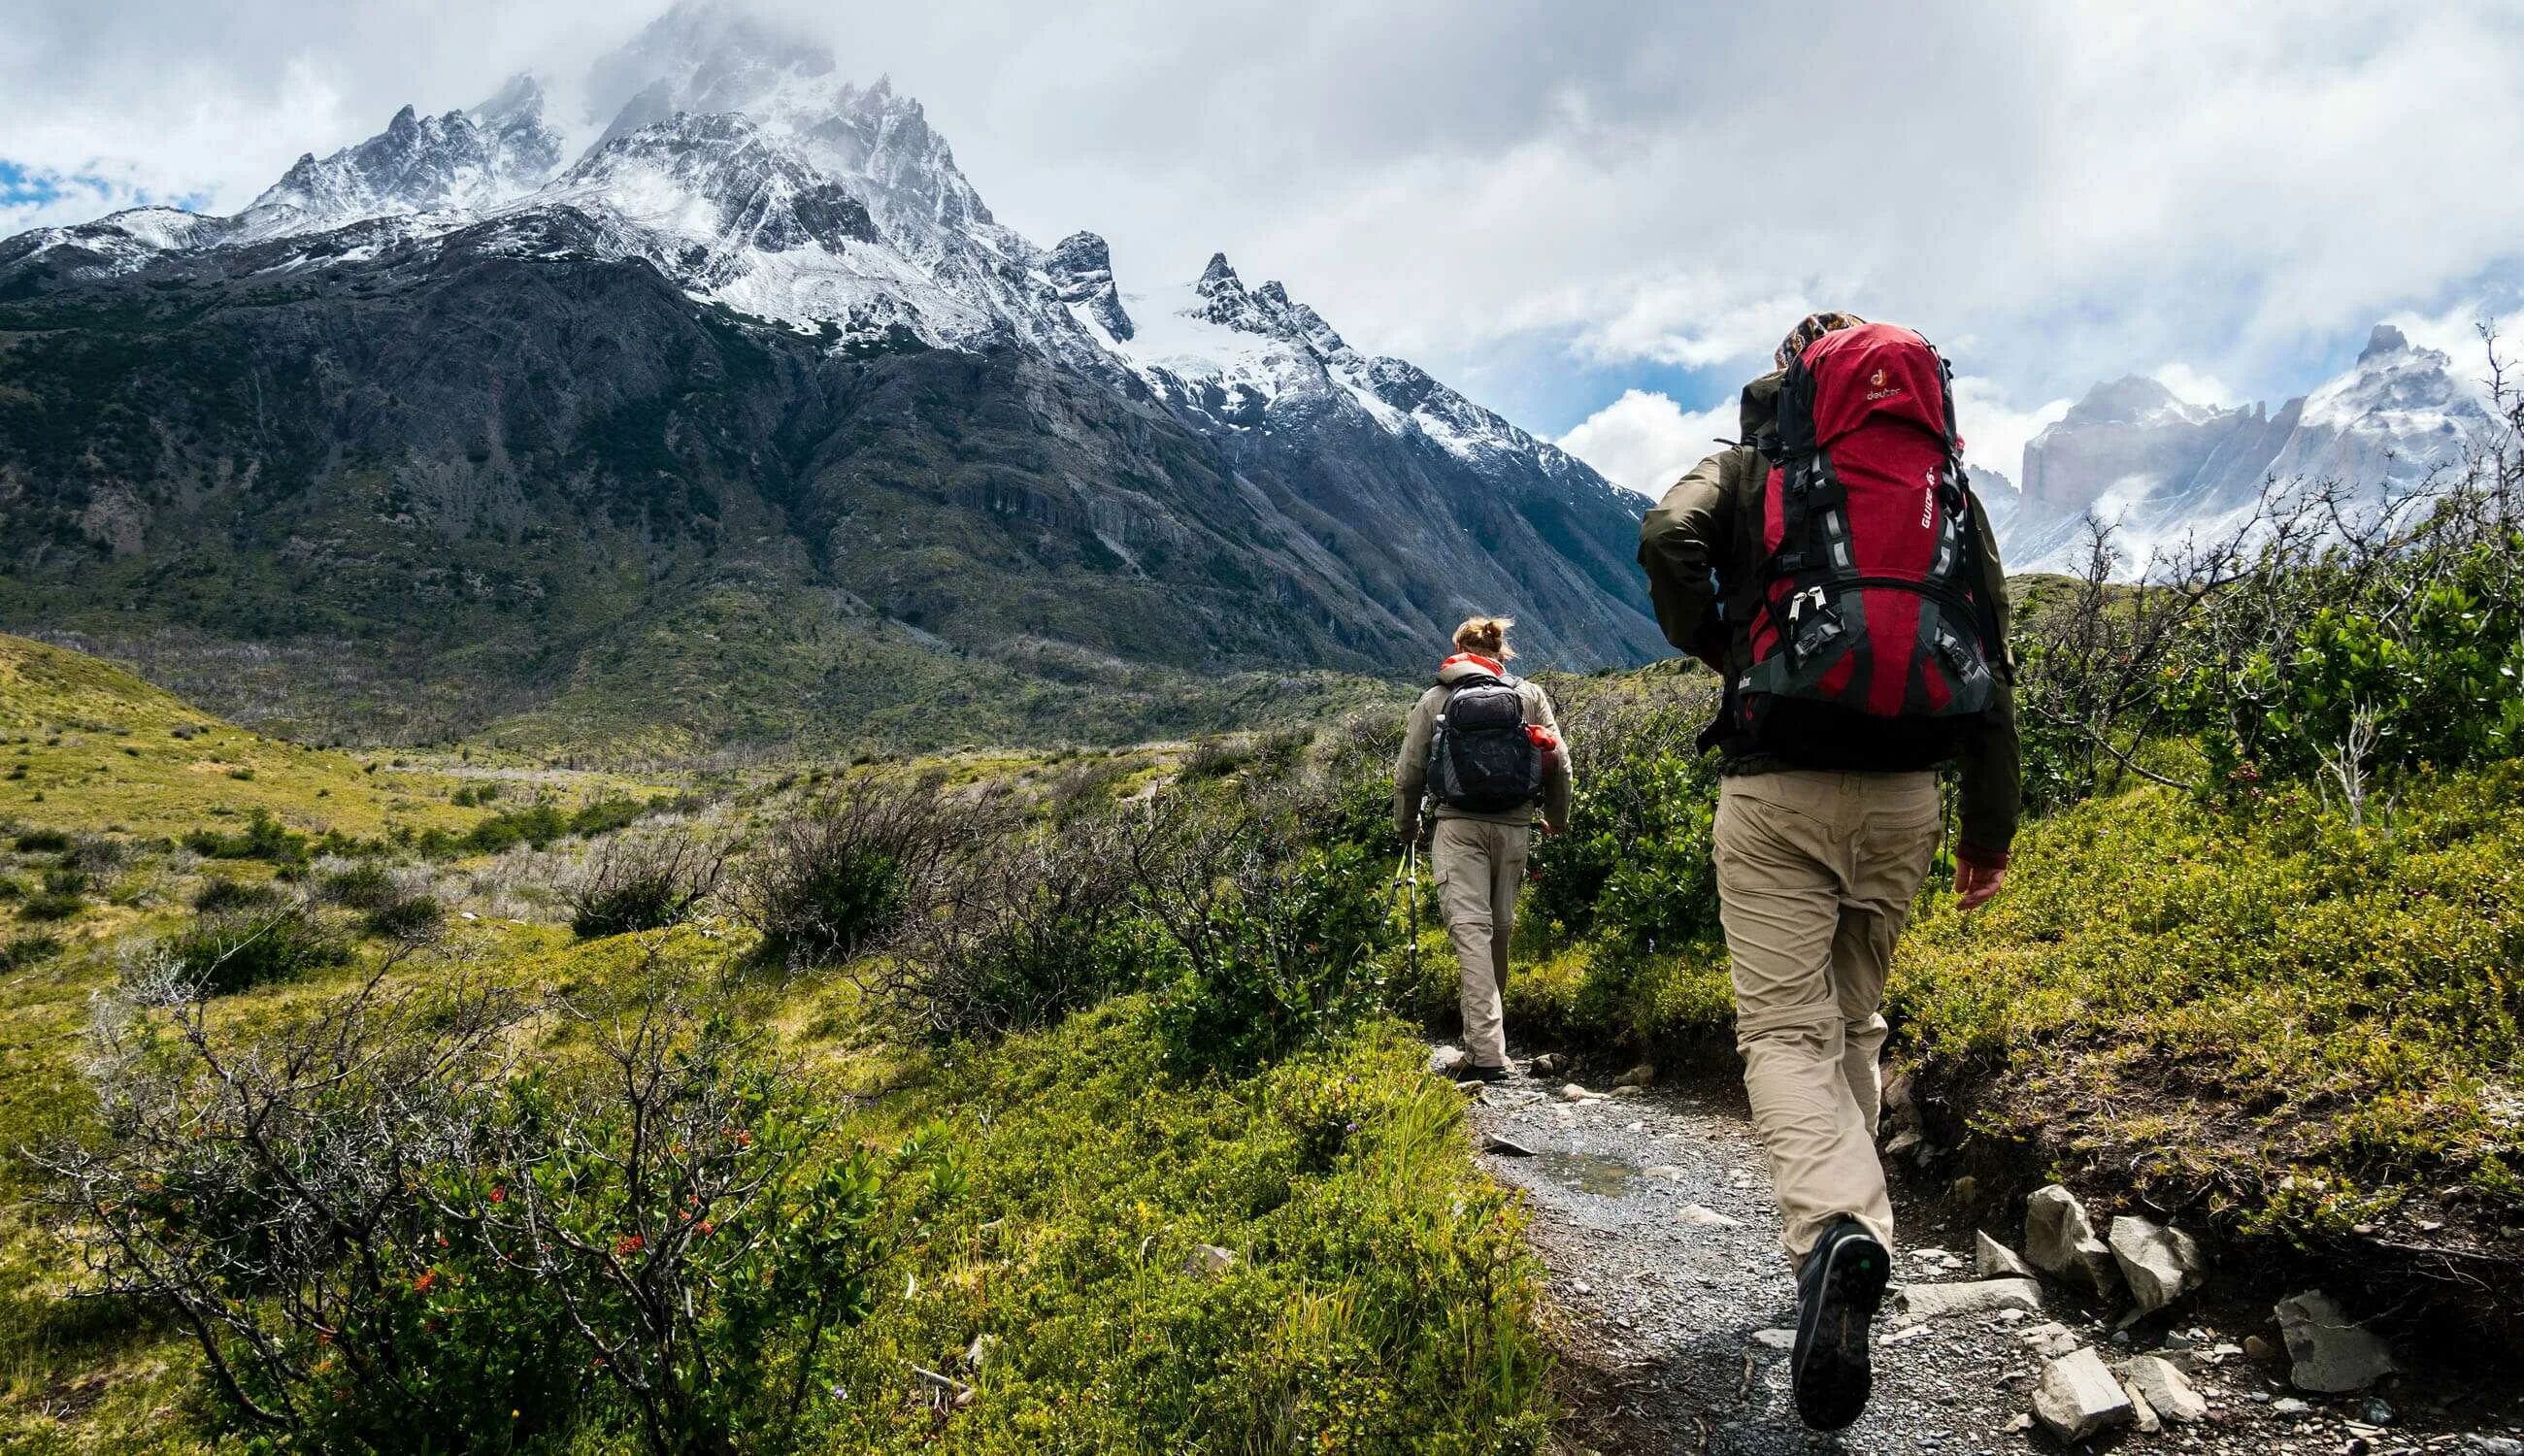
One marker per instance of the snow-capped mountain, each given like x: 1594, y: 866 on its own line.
x: 2160, y: 468
x: 762, y: 311
x: 474, y: 158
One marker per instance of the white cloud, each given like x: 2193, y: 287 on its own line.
x: 2075, y: 188
x: 1994, y: 430
x: 2191, y: 385
x: 1646, y: 441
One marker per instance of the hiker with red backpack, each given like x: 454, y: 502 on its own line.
x: 1837, y: 572
x: 1481, y: 758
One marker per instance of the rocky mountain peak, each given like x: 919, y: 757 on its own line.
x: 1081, y: 270
x: 501, y: 149
x: 2384, y: 340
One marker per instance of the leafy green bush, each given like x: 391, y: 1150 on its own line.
x: 265, y: 838
x: 26, y: 951
x: 1025, y: 932
x: 42, y: 841
x: 833, y: 879
x: 233, y: 950
x: 1262, y: 941
x: 1635, y: 862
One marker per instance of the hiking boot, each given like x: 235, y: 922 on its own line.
x: 1837, y: 1293
x: 1478, y: 1073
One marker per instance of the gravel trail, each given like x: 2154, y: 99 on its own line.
x: 1651, y: 1208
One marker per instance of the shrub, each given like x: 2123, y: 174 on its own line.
x: 1635, y: 862
x: 12, y: 888
x: 25, y: 951
x: 362, y: 886
x: 66, y: 881
x: 831, y: 881
x: 231, y: 952
x: 414, y: 917
x: 643, y: 884
x: 382, y: 1240
x: 51, y: 905
x: 218, y: 895
x: 1262, y: 936
x: 265, y: 838
x: 1026, y: 932
x: 42, y: 841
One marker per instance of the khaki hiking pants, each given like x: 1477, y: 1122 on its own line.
x: 1479, y: 867
x: 1816, y: 873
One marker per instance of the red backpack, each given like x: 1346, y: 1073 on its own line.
x: 1870, y: 646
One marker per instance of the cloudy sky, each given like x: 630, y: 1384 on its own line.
x: 1596, y: 215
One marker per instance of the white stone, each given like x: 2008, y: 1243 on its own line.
x: 1705, y: 1218
x: 1572, y: 1093
x: 2331, y: 1353
x: 2078, y: 1398
x: 2168, y: 1391
x: 2160, y: 1265
x: 1913, y: 1303
x: 1641, y: 1075
x: 1992, y: 1259
x: 1208, y: 1260
x: 2050, y: 1338
x: 2061, y: 1241
x: 1447, y: 1061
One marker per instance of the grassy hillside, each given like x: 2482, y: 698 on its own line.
x: 85, y: 746
x: 996, y: 1242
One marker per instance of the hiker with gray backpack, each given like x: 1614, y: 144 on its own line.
x: 1481, y: 759
x: 1836, y: 572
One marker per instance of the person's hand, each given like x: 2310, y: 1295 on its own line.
x: 1975, y: 883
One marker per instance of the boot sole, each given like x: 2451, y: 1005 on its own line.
x: 1834, y: 1372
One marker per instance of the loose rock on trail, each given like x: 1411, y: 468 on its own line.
x: 1676, y: 1310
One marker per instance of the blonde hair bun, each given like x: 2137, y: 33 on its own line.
x: 1486, y: 636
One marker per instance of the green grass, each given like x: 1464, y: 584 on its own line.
x: 100, y: 749
x: 2318, y: 1023
x: 1379, y: 1297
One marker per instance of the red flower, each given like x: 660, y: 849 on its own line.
x: 629, y: 1244
x: 499, y: 1194
x: 427, y: 1277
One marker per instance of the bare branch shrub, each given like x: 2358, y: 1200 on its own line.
x: 1023, y: 932
x: 854, y: 866
x: 644, y: 882
x: 415, y: 1218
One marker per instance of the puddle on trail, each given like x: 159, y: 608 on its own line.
x: 1600, y: 1174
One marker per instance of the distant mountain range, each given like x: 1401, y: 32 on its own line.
x: 2160, y: 468
x: 745, y: 422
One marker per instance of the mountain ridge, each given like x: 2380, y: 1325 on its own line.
x: 499, y: 411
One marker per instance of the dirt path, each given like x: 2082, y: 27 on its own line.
x: 1674, y: 1324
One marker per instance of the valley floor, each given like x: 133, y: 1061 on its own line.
x: 1665, y: 1321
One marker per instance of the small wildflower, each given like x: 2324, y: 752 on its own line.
x: 427, y: 1277
x: 629, y: 1244
x: 499, y: 1193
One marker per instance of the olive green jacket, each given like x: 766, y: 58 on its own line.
x: 1702, y: 548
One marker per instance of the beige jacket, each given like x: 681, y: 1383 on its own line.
x: 1411, y: 766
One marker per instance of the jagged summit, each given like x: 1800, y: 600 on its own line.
x: 734, y: 166
x: 2159, y: 467
x: 472, y: 159
x: 2386, y: 339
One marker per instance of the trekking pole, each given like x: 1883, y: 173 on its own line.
x: 1411, y: 905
